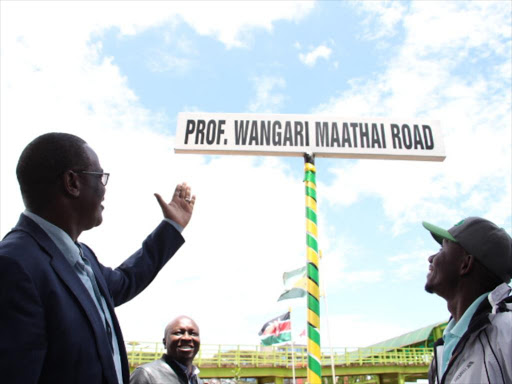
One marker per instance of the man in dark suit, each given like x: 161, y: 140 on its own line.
x: 182, y: 342
x: 57, y: 319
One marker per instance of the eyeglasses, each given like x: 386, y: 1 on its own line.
x: 104, y: 176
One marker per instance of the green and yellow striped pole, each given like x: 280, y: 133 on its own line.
x: 314, y: 354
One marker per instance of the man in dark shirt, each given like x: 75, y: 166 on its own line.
x: 182, y: 342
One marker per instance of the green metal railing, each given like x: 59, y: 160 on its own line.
x: 281, y: 356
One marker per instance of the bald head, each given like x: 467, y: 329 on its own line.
x: 174, y: 322
x: 181, y: 339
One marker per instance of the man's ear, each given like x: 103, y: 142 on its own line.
x: 71, y: 183
x: 163, y: 340
x: 467, y: 265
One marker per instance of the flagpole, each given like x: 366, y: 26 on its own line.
x: 314, y: 352
x: 293, y: 352
x: 329, y: 334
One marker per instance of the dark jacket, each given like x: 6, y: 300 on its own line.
x: 50, y: 329
x: 163, y: 371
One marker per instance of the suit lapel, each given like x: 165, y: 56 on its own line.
x: 70, y: 278
x: 102, y: 284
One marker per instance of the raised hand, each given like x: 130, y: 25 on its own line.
x: 180, y: 208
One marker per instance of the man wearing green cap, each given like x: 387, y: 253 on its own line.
x: 471, y: 272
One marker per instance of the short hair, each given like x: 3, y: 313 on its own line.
x: 42, y: 162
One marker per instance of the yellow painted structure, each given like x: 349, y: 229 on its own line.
x: 273, y: 364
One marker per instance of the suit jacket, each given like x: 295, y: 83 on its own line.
x: 50, y: 329
x: 163, y: 371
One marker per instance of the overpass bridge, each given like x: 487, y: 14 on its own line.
x: 394, y: 361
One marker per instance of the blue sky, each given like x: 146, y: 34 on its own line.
x: 117, y: 74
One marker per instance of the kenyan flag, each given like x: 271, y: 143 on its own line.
x: 277, y: 330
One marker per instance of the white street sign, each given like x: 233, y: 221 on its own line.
x: 323, y: 136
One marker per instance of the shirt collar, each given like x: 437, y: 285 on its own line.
x: 61, y: 239
x: 460, y: 327
x: 193, y: 369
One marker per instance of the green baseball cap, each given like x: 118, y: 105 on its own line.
x: 488, y: 243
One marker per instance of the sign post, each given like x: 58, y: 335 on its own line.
x: 313, y: 294
x: 310, y: 136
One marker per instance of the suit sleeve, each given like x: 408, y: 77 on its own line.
x: 22, y: 325
x: 134, y: 275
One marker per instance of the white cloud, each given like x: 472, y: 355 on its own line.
x: 320, y: 52
x: 350, y: 330
x: 233, y: 20
x: 229, y: 22
x: 480, y: 25
x: 364, y: 277
x: 381, y: 17
x: 411, y: 265
x: 212, y: 268
x: 424, y: 80
x: 267, y: 100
